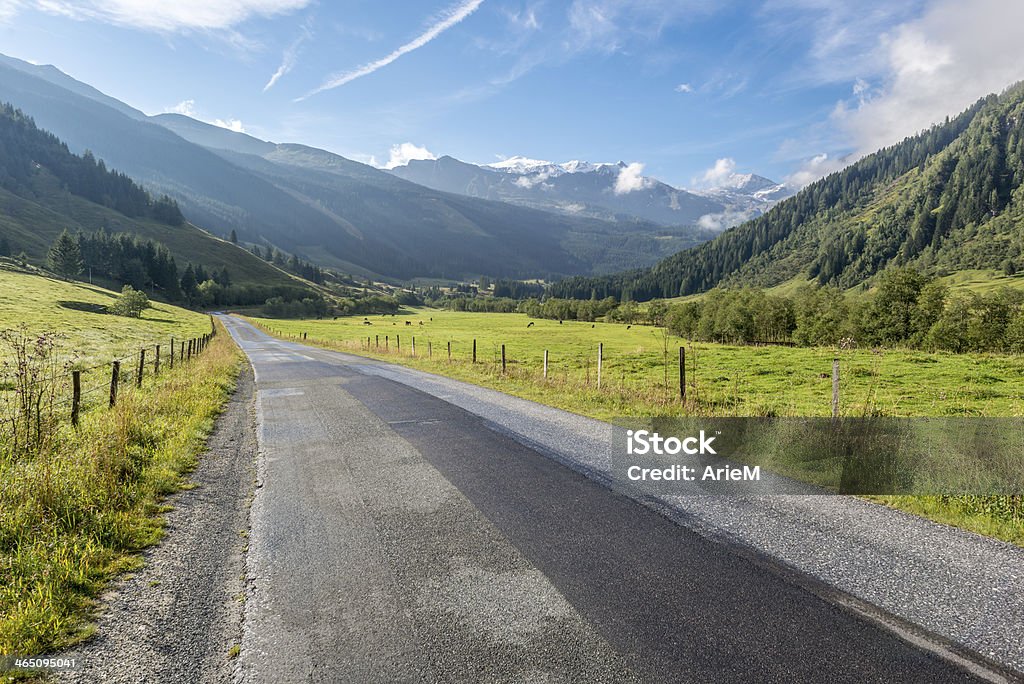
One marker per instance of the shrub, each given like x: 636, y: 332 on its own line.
x: 131, y: 303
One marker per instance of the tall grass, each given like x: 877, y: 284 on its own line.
x: 77, y: 509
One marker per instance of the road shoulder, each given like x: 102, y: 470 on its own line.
x: 178, y: 617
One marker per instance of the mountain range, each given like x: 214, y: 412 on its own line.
x: 950, y: 198
x: 610, y: 191
x: 333, y: 211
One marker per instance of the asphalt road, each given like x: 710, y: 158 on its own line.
x: 398, y: 536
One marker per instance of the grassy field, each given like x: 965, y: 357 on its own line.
x: 75, y: 510
x: 640, y: 377
x: 75, y: 311
x: 722, y: 380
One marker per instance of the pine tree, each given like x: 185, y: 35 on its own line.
x: 65, y: 257
x: 188, y: 282
x: 234, y: 236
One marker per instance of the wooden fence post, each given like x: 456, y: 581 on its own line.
x: 172, y: 353
x: 142, y: 366
x: 474, y: 350
x: 682, y: 373
x: 156, y: 361
x: 181, y: 354
x: 600, y: 362
x: 114, y: 376
x: 502, y: 359
x: 386, y: 342
x: 449, y: 350
x: 414, y: 345
x: 545, y: 364
x: 835, y: 388
x: 430, y: 350
x: 76, y: 395
x: 190, y: 345
x: 398, y: 342
x: 376, y: 340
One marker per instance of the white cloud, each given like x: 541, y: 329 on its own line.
x: 448, y: 19
x: 684, y: 88
x: 404, y: 153
x: 231, y: 124
x: 8, y: 9
x: 185, y: 107
x: 726, y: 219
x: 188, y: 108
x: 631, y: 179
x: 161, y: 15
x: 719, y: 174
x: 818, y: 166
x: 936, y: 66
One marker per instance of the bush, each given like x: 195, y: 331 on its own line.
x: 131, y: 303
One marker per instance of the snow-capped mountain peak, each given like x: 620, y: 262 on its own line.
x: 523, y: 165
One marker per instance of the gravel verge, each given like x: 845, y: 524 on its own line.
x: 179, y: 616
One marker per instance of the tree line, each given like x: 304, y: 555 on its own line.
x: 908, y: 309
x: 145, y: 265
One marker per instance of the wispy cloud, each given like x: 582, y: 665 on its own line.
x: 180, y: 15
x: 290, y: 56
x: 684, y: 88
x: 448, y: 19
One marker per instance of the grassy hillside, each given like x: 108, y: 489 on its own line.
x: 77, y: 505
x: 76, y: 312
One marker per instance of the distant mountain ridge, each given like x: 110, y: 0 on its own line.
x: 605, y: 190
x: 323, y: 207
x: 947, y: 199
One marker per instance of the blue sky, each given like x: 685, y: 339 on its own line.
x: 692, y: 89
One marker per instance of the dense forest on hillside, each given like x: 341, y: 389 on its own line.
x: 946, y: 199
x: 24, y: 148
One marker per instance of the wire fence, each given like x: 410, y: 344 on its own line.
x: 68, y: 390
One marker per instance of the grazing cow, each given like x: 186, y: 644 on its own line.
x: 421, y: 322
x: 408, y: 322
x: 593, y: 325
x: 628, y: 327
x: 530, y: 324
x: 559, y: 322
x: 367, y: 323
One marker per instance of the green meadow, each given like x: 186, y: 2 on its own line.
x: 640, y: 368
